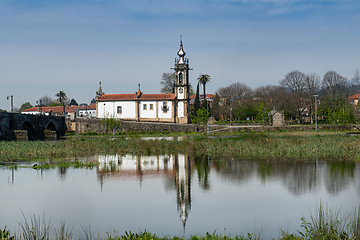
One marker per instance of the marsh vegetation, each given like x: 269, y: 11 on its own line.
x: 324, y: 223
x: 280, y: 146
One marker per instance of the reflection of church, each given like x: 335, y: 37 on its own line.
x: 177, y: 167
x: 183, y: 187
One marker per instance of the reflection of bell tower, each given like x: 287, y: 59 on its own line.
x: 182, y: 86
x: 183, y: 190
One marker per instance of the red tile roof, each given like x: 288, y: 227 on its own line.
x: 91, y: 106
x: 201, y: 96
x: 109, y: 97
x: 53, y: 109
x: 356, y: 96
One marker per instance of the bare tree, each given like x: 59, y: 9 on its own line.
x: 233, y: 97
x: 335, y: 88
x: 294, y: 82
x: 356, y: 80
x: 236, y: 92
x: 45, y: 101
x: 276, y: 97
x: 168, y: 83
x: 312, y: 87
x: 269, y: 95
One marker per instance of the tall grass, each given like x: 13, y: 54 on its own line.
x: 249, y: 146
x: 325, y: 223
x: 36, y: 228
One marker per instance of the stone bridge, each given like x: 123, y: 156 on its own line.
x: 34, y: 127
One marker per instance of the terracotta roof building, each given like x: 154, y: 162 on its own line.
x: 54, y: 110
x: 138, y: 106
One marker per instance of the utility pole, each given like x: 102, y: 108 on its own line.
x: 12, y: 103
x: 315, y: 113
x: 207, y: 109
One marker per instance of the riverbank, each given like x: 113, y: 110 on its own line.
x: 282, y: 145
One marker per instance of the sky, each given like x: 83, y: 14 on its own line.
x: 71, y: 45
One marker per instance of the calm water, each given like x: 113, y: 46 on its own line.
x: 177, y: 195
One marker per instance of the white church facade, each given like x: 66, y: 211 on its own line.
x: 141, y: 107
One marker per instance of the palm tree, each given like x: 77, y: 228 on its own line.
x: 61, y: 96
x: 204, y: 79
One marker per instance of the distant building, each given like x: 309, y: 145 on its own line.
x: 354, y: 99
x: 209, y: 97
x: 277, y: 118
x: 53, y: 111
x: 88, y: 111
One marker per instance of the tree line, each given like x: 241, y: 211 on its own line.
x: 294, y: 96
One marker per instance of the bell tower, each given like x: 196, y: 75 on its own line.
x: 182, y: 86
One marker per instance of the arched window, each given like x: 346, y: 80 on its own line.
x: 180, y: 78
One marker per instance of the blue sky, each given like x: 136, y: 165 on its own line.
x: 70, y: 45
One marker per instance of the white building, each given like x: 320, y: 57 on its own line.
x: 172, y: 107
x: 88, y: 111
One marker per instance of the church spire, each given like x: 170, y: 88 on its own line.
x: 181, y: 53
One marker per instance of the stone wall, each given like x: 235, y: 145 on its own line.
x: 285, y: 128
x: 92, y: 125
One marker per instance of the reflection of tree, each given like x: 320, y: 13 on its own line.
x: 299, y: 178
x: 338, y: 175
x: 203, y: 171
x: 264, y: 171
x: 62, y: 172
x: 237, y: 171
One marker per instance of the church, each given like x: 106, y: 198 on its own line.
x: 142, y: 107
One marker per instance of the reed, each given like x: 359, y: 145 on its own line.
x: 325, y: 223
x: 244, y: 146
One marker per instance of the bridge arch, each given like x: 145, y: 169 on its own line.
x: 51, y: 126
x: 30, y: 130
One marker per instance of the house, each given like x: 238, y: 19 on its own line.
x: 53, y: 111
x: 144, y: 107
x: 354, y: 99
x: 87, y: 111
x: 209, y: 97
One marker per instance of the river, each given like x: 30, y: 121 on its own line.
x: 178, y: 195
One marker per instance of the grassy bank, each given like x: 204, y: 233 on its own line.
x: 280, y: 146
x: 325, y: 223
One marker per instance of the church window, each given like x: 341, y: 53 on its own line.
x: 119, y: 110
x: 165, y: 107
x: 151, y: 107
x: 180, y: 78
x: 144, y: 106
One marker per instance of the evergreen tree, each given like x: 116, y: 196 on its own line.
x: 73, y: 102
x: 25, y: 106
x: 215, y: 109
x: 204, y: 104
x: 196, y: 106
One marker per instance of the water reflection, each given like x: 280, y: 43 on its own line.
x: 176, y: 167
x: 298, y: 178
x: 234, y: 191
